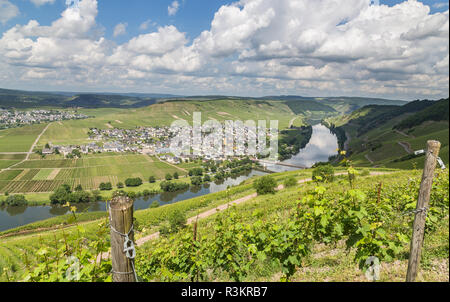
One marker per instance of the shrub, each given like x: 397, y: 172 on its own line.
x: 177, y: 220
x: 133, y: 182
x: 323, y: 173
x: 16, y: 200
x: 265, y: 185
x: 105, y: 186
x: 79, y: 188
x: 155, y: 204
x: 175, y: 175
x: 196, y: 180
x: 168, y: 186
x: 152, y: 179
x: 168, y: 176
x: 196, y: 172
x: 290, y: 182
x: 207, y: 178
x: 120, y: 185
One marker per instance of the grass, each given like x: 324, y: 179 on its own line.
x: 7, y: 163
x: 19, y: 139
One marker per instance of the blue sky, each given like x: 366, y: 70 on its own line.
x: 192, y: 17
x: 256, y: 47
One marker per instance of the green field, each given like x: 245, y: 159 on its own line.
x: 7, y: 163
x: 163, y: 114
x: 19, y: 139
x: 34, y: 176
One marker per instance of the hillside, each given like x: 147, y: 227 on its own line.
x: 262, y: 224
x: 387, y: 136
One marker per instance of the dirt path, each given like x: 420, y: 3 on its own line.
x: 368, y: 158
x: 30, y: 151
x: 403, y: 133
x: 175, y: 166
x: 291, y: 122
x: 221, y: 208
x: 407, y: 147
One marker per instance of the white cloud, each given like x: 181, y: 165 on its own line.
x: 254, y: 47
x: 173, y: 8
x: 42, y: 2
x: 7, y: 11
x: 440, y: 5
x: 147, y: 24
x: 120, y: 29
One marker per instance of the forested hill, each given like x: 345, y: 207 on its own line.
x: 389, y: 135
x: 438, y: 111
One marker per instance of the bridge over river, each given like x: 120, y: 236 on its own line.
x: 279, y: 163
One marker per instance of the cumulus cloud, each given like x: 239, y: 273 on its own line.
x: 252, y: 47
x: 173, y: 8
x: 120, y: 29
x: 42, y: 2
x: 7, y: 11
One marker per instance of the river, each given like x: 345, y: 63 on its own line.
x: 12, y: 217
x: 323, y: 144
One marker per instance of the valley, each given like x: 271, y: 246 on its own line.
x: 87, y: 156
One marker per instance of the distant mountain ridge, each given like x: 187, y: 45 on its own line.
x: 34, y: 99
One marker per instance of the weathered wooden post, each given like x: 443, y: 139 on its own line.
x: 122, y: 239
x: 432, y: 154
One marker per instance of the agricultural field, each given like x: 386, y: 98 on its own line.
x: 34, y: 176
x: 4, y: 163
x: 19, y: 139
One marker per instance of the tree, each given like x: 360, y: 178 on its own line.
x: 16, y: 200
x: 120, y: 185
x: 168, y: 176
x: 265, y: 185
x: 105, y: 186
x: 133, y: 182
x: 175, y: 175
x: 79, y: 188
x: 47, y: 146
x: 207, y: 178
x: 76, y: 152
x: 196, y: 180
x: 152, y: 179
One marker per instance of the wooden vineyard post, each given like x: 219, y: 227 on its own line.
x: 122, y: 239
x: 432, y: 154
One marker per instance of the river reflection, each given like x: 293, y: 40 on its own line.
x: 321, y: 146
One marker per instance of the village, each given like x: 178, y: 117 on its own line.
x: 154, y: 141
x: 13, y: 118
